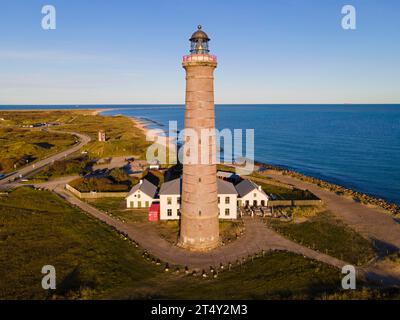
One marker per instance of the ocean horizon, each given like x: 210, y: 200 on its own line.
x: 353, y: 145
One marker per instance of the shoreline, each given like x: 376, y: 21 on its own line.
x: 357, y: 196
x: 363, y: 198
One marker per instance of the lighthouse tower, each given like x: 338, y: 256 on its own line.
x: 199, y: 204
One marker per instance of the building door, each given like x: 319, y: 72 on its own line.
x: 255, y: 203
x: 132, y: 204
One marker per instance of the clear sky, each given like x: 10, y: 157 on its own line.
x: 130, y: 51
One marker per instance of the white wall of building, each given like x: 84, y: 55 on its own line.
x: 169, y: 207
x: 254, y: 197
x: 227, y: 206
x: 138, y: 199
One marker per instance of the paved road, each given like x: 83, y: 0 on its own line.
x: 373, y: 223
x: 84, y: 139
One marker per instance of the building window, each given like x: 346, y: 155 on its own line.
x: 255, y: 195
x: 219, y: 200
x: 255, y: 203
x: 169, y: 200
x: 169, y: 212
x: 139, y: 204
x: 138, y: 195
x: 147, y: 204
x: 177, y: 212
x: 239, y: 203
x: 178, y: 200
x: 227, y: 200
x: 263, y: 203
x: 227, y: 212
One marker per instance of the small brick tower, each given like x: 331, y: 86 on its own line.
x: 102, y: 136
x: 199, y: 210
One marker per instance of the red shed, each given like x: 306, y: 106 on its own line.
x: 154, y: 212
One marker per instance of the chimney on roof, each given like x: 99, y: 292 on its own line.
x: 259, y: 188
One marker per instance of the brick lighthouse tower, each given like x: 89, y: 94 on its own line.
x: 199, y: 209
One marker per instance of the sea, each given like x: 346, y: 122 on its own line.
x: 356, y: 146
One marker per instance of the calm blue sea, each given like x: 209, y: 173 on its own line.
x: 357, y: 146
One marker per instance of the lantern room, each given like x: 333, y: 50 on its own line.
x: 199, y: 42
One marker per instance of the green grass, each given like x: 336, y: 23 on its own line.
x: 117, y: 207
x: 38, y: 228
x: 287, y: 194
x: 278, y: 275
x: 328, y: 235
x: 22, y: 146
x: 168, y: 230
x: 123, y: 138
x: 68, y: 167
x: 116, y: 181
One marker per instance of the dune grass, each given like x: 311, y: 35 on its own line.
x: 38, y: 228
x: 328, y: 235
x: 23, y: 146
x: 19, y: 145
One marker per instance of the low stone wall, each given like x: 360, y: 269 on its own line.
x: 307, y: 202
x: 290, y: 203
x: 95, y: 195
x: 269, y: 181
x: 280, y: 203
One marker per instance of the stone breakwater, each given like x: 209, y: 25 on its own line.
x: 340, y: 190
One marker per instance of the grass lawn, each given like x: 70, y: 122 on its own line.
x: 285, y: 193
x: 328, y: 235
x: 168, y: 230
x: 38, y: 228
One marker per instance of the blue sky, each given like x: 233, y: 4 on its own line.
x: 113, y: 52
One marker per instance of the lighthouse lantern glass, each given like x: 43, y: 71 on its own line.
x: 199, y: 46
